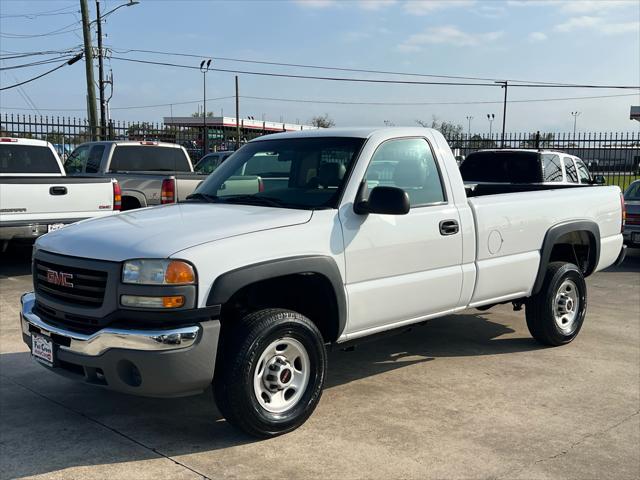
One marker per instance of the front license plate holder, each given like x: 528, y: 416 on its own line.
x: 43, y: 349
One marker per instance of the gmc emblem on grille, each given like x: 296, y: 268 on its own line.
x: 60, y: 278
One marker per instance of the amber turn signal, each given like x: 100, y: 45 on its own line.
x: 175, y: 301
x: 179, y: 273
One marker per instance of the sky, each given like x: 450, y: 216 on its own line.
x: 584, y: 42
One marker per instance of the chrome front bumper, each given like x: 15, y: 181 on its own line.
x: 170, y: 362
x: 107, y: 338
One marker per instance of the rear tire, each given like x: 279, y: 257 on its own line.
x: 271, y: 371
x: 556, y: 313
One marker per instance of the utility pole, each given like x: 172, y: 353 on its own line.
x: 237, y: 116
x: 575, y: 118
x: 504, y: 111
x: 469, y: 118
x: 204, y: 68
x: 88, y: 63
x: 103, y: 113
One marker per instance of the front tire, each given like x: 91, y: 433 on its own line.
x: 556, y: 313
x: 271, y: 371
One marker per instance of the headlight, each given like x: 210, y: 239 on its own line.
x: 158, y: 272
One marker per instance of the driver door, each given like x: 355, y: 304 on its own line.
x: 403, y: 268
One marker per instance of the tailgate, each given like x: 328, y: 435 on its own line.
x: 54, y: 198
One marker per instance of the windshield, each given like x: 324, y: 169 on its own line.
x: 303, y: 173
x: 633, y: 192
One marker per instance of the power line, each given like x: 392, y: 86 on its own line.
x: 344, y: 69
x: 57, y: 11
x: 69, y: 62
x: 371, y: 80
x: 34, y: 64
x: 59, y: 31
x: 17, y: 55
x: 340, y: 102
x: 306, y: 77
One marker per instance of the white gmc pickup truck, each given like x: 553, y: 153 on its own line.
x: 359, y: 231
x: 36, y: 197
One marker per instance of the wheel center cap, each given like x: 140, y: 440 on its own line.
x: 278, y: 374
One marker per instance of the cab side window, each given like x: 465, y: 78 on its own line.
x: 583, y: 172
x: 94, y: 159
x: 570, y: 169
x: 77, y: 160
x: 408, y: 164
x: 552, y: 168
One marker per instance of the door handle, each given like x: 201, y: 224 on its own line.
x: 449, y: 227
x: 58, y: 191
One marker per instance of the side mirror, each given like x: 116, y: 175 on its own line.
x: 599, y: 180
x: 384, y: 201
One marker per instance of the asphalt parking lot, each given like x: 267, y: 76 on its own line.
x: 466, y: 396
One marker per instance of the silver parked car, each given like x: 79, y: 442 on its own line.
x: 631, y: 232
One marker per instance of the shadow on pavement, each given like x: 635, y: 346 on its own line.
x: 631, y: 262
x: 46, y: 420
x: 16, y: 260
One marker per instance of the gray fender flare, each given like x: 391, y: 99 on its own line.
x: 137, y: 195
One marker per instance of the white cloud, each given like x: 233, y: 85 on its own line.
x: 446, y: 35
x: 375, y: 4
x: 577, y: 23
x: 316, y: 3
x: 591, y: 6
x: 537, y: 37
x: 372, y: 5
x: 597, y: 24
x: 489, y: 11
x: 424, y: 7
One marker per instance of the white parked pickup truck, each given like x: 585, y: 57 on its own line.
x: 36, y: 197
x: 371, y: 231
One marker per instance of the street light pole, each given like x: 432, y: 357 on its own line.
x: 469, y: 118
x: 204, y: 68
x: 575, y: 118
x: 491, y: 117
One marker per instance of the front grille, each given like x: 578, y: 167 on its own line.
x: 76, y: 286
x: 64, y: 320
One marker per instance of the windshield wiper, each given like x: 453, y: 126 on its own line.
x: 203, y: 196
x: 254, y: 200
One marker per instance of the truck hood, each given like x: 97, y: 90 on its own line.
x: 159, y: 232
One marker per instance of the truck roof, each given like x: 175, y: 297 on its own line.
x: 136, y: 142
x: 25, y: 141
x: 532, y: 150
x: 357, y: 132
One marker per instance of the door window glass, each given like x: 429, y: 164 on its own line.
x: 570, y: 169
x: 95, y: 156
x: 77, y: 160
x: 552, y: 168
x: 408, y: 164
x: 583, y: 171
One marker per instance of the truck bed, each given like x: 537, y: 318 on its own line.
x: 511, y: 228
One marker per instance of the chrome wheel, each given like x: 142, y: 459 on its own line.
x: 281, y: 375
x: 566, y: 307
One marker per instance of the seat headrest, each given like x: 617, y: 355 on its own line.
x: 410, y: 173
x: 331, y: 174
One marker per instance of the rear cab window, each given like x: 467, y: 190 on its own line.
x: 144, y: 158
x: 26, y: 159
